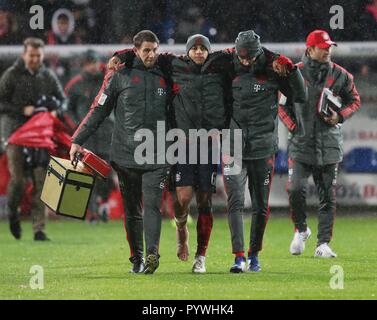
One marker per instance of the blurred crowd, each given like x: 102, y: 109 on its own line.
x: 83, y: 21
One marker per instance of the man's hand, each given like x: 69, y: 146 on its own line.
x: 230, y: 50
x: 282, y: 66
x: 28, y: 110
x: 333, y: 119
x: 74, y: 149
x: 114, y: 64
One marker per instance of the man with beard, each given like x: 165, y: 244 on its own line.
x: 255, y: 91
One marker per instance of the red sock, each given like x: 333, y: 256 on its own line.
x: 203, y: 228
x: 250, y: 252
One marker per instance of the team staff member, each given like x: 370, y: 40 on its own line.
x: 21, y: 87
x: 255, y: 91
x: 135, y: 108
x: 81, y: 91
x: 202, y: 100
x: 315, y: 141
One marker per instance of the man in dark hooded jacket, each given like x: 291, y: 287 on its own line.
x: 315, y: 139
x: 81, y: 91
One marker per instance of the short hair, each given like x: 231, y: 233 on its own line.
x: 307, y: 50
x: 33, y: 42
x: 145, y: 35
x: 63, y: 17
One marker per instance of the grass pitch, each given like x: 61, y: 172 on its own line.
x: 86, y: 261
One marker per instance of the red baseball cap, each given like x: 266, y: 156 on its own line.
x: 320, y: 39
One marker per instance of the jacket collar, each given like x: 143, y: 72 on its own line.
x: 20, y: 65
x: 195, y: 68
x: 258, y: 65
x: 201, y: 68
x: 315, y: 64
x: 316, y: 72
x: 138, y: 64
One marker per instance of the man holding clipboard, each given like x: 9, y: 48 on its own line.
x: 315, y: 139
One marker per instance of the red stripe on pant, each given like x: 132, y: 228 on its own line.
x: 204, y: 229
x: 288, y: 183
x: 334, y: 212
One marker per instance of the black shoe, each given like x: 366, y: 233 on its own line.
x: 15, y: 228
x: 152, y: 263
x: 137, y: 264
x: 40, y: 236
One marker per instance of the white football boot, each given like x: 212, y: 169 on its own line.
x: 324, y: 251
x: 298, y: 243
x: 199, y: 265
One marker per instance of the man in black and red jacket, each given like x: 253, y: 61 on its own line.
x: 255, y: 90
x: 81, y: 91
x: 315, y: 139
x: 135, y: 108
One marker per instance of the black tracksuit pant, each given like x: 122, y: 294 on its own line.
x: 325, y: 180
x: 259, y: 172
x: 142, y: 189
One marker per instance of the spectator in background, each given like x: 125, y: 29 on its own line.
x: 127, y: 39
x: 63, y: 28
x: 366, y: 79
x: 372, y: 9
x: 193, y: 22
x: 85, y: 20
x: 369, y: 22
x: 153, y: 17
x: 49, y: 8
x: 81, y: 91
x: 9, y: 33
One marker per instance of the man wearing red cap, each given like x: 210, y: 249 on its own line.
x: 315, y: 139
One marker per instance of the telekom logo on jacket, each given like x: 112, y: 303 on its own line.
x: 161, y: 91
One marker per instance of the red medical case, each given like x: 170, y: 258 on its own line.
x: 95, y: 163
